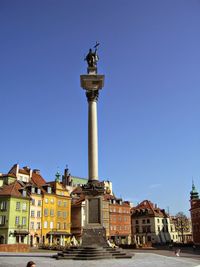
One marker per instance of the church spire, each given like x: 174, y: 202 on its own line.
x: 194, y: 194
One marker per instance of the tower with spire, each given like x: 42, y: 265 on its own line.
x: 194, y: 194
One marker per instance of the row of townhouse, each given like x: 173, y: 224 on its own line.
x: 33, y: 211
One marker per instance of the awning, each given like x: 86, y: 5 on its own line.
x: 21, y: 232
x: 58, y: 233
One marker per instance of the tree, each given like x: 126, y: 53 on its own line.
x: 181, y: 224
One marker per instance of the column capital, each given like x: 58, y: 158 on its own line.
x: 92, y: 95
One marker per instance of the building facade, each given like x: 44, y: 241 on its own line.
x: 56, y: 214
x: 14, y: 214
x: 195, y: 215
x: 119, y: 220
x: 150, y: 224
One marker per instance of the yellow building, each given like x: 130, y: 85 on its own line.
x: 56, y: 215
x: 35, y: 223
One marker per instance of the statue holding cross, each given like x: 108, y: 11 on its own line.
x: 92, y: 57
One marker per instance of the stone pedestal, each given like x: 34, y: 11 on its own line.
x: 94, y: 234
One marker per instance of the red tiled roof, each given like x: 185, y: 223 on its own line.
x: 11, y: 190
x: 38, y: 179
x: 148, y: 206
x: 23, y: 171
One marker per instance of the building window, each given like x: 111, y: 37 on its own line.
x: 33, y: 190
x: 3, y: 205
x: 143, y: 221
x: 158, y: 220
x: 148, y: 229
x: 49, y: 189
x: 32, y: 213
x: 45, y: 224
x: 59, y: 203
x: 17, y: 220
x: 23, y: 220
x: 136, y: 222
x: 59, y: 213
x: 2, y: 220
x: 52, y: 200
x: 137, y: 230
x: 64, y: 214
x: 148, y: 221
x: 51, y: 212
x: 46, y: 200
x: 24, y: 206
x: 64, y: 226
x: 39, y: 191
x: 65, y: 204
x: 24, y: 193
x: 51, y: 225
x: 17, y: 205
x: 38, y: 214
x: 33, y: 201
x: 39, y: 202
x: 58, y: 225
x: 38, y: 225
x: 32, y: 225
x: 45, y: 212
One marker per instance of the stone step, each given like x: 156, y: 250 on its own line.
x: 92, y: 253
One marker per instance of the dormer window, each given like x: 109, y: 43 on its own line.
x: 33, y: 190
x: 39, y: 191
x: 24, y: 193
x: 49, y: 189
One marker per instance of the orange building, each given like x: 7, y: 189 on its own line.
x: 119, y: 220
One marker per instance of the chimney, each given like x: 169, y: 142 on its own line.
x: 17, y: 169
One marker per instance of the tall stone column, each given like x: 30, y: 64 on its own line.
x: 92, y: 97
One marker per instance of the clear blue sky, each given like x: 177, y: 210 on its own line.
x: 148, y: 111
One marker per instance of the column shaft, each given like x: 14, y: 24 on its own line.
x: 92, y: 141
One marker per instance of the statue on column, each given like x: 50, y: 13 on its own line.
x: 92, y: 57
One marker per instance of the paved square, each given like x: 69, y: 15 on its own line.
x: 139, y: 260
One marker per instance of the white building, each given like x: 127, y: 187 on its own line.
x: 150, y: 224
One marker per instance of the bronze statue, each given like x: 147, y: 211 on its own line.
x: 92, y: 57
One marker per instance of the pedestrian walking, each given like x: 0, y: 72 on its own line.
x: 177, y: 252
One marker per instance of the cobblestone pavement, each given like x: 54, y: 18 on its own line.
x: 138, y: 260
